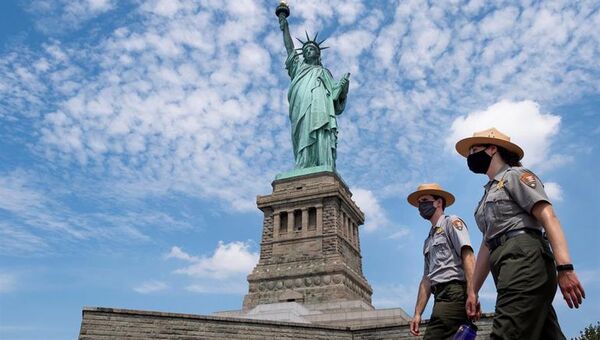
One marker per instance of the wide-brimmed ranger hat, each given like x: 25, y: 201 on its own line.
x: 430, y: 189
x: 489, y: 136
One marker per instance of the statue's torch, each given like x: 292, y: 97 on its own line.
x: 282, y: 9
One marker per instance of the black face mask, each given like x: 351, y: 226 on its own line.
x: 426, y: 209
x: 479, y: 162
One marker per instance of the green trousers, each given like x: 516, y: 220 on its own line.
x: 448, y: 312
x: 524, y: 272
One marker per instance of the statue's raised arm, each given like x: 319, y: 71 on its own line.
x: 282, y: 13
x: 315, y: 99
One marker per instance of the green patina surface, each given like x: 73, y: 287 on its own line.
x: 309, y: 171
x: 305, y: 171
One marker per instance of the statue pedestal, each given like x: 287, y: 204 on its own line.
x: 310, y: 248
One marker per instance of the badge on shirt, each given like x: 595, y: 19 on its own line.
x: 529, y: 180
x: 500, y: 184
x: 458, y: 224
x: 439, y: 230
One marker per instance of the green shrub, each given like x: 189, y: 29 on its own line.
x: 591, y: 332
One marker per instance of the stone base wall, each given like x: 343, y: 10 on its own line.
x: 109, y: 323
x: 310, y: 245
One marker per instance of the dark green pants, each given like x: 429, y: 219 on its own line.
x: 448, y: 312
x: 524, y: 272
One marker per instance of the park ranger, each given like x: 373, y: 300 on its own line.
x: 449, y: 264
x: 515, y: 216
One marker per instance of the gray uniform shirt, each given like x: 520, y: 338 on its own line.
x: 442, y: 250
x: 507, y: 202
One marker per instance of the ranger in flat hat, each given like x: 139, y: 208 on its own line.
x: 449, y: 264
x: 514, y: 216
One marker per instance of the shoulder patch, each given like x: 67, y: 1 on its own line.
x: 439, y: 230
x: 458, y: 224
x: 529, y: 179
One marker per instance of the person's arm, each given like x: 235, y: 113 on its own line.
x: 468, y: 261
x: 568, y: 282
x: 422, y: 298
x: 482, y: 269
x: 287, y: 38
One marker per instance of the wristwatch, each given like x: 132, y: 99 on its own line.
x: 564, y: 267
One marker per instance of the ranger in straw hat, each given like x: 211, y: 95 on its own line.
x: 449, y: 264
x: 514, y: 216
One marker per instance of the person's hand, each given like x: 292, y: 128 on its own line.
x: 473, y: 306
x: 282, y: 22
x: 571, y: 288
x: 414, y: 325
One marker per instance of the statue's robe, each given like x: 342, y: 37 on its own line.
x: 313, y: 111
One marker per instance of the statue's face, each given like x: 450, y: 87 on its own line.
x: 310, y: 53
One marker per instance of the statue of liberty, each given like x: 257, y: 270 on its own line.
x: 314, y: 100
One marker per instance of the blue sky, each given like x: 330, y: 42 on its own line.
x: 136, y: 136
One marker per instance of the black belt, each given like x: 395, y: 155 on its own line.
x: 439, y: 286
x: 501, y: 239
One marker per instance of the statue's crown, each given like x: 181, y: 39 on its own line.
x: 312, y: 41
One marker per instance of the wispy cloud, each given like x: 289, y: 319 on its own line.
x: 7, y: 282
x: 400, y: 234
x: 394, y: 295
x: 15, y: 194
x: 55, y: 17
x: 237, y: 288
x: 554, y: 191
x: 37, y: 218
x: 150, y: 287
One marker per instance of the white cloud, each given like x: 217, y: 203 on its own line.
x: 487, y: 293
x: 151, y: 287
x: 197, y: 105
x: 554, y: 191
x: 239, y: 287
x: 7, y: 282
x: 394, y: 295
x: 15, y: 240
x: 177, y: 253
x: 529, y: 128
x: 400, y: 234
x: 16, y: 195
x: 59, y: 16
x: 589, y: 276
x: 39, y: 217
x: 229, y: 259
x: 375, y: 216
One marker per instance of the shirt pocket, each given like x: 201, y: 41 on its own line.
x: 440, y: 248
x: 499, y: 207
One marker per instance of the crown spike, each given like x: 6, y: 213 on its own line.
x: 302, y: 42
x: 315, y: 38
x: 322, y: 41
x: 307, y: 37
x: 323, y: 48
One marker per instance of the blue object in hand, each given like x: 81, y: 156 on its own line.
x: 466, y: 332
